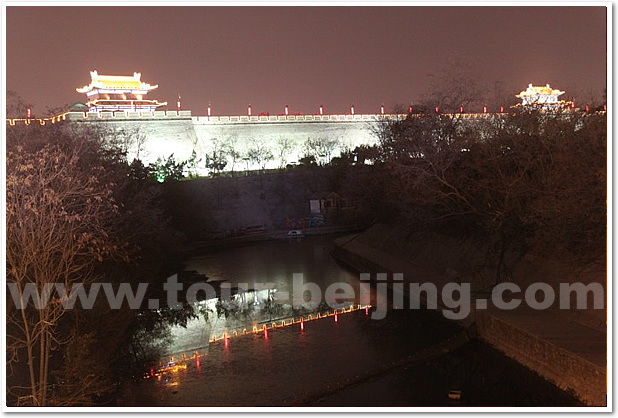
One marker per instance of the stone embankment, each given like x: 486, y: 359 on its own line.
x: 568, y: 350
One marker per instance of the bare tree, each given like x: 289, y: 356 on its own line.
x: 453, y: 86
x: 321, y: 148
x: 259, y: 154
x: 128, y: 139
x: 16, y: 107
x: 59, y: 221
x: 498, y: 96
x: 283, y: 149
x: 232, y: 150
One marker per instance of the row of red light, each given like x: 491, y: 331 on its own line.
x: 352, y: 109
x: 286, y: 109
x: 301, y: 321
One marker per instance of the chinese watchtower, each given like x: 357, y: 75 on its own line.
x: 118, y: 93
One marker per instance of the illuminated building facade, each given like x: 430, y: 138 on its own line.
x: 541, y: 97
x: 123, y: 93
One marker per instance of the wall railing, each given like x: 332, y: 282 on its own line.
x: 186, y: 115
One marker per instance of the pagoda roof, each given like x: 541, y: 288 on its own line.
x: 115, y: 82
x: 538, y: 90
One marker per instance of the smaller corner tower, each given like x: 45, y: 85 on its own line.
x: 542, y: 98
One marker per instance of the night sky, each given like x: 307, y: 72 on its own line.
x: 301, y: 56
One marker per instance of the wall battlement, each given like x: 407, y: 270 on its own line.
x: 186, y: 115
x: 153, y: 115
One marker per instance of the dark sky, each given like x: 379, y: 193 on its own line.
x: 301, y: 56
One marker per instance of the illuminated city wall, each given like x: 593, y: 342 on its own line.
x: 165, y: 133
x: 273, y: 135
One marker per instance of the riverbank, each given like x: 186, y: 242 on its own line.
x: 568, y: 349
x: 197, y: 247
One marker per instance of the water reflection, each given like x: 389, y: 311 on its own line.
x: 260, y: 279
x: 353, y: 361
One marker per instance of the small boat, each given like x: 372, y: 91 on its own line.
x: 454, y: 397
x: 295, y: 233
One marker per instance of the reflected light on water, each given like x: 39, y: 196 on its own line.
x: 320, y: 315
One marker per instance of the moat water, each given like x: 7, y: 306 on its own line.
x: 353, y: 361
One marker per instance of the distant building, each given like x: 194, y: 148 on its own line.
x: 541, y: 97
x: 323, y: 202
x: 124, y: 93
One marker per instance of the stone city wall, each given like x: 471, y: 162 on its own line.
x: 163, y: 133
